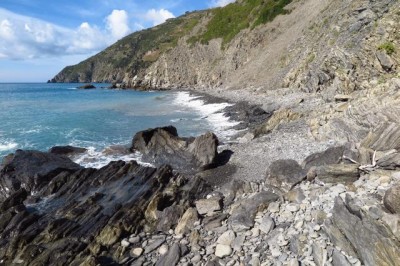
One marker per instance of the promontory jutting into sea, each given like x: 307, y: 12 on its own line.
x: 204, y: 133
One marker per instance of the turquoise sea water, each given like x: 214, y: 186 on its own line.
x: 39, y: 116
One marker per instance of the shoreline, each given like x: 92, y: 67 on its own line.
x: 280, y: 196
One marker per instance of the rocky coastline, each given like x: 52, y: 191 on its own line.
x: 337, y: 206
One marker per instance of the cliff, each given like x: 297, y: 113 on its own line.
x: 307, y: 44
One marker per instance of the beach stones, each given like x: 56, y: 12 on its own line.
x: 222, y: 251
x: 209, y: 206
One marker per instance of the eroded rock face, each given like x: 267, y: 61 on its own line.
x: 77, y: 212
x: 164, y: 146
x: 374, y: 244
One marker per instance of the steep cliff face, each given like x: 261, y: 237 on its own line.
x: 197, y: 49
x: 314, y: 45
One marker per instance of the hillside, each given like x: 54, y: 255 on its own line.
x: 129, y: 59
x: 257, y: 44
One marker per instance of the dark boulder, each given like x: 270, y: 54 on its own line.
x: 32, y: 170
x: 15, y: 199
x: 164, y: 146
x: 87, y: 87
x: 332, y: 155
x: 66, y: 150
x: 285, y: 174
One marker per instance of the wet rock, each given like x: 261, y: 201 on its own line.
x: 164, y: 146
x: 32, y: 170
x: 89, y: 210
x: 66, y: 150
x: 243, y: 213
x: 337, y: 173
x: 391, y: 199
x: 15, y: 199
x: 209, y: 206
x: 186, y: 223
x: 285, y: 174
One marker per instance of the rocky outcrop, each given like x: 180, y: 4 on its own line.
x: 373, y: 242
x: 83, y: 214
x: 66, y: 150
x: 164, y: 146
x: 32, y: 170
x: 87, y: 87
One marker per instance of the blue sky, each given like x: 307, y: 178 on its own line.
x: 39, y: 38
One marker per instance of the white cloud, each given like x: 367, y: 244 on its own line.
x: 158, y: 16
x: 23, y: 37
x: 117, y: 23
x: 221, y: 3
x: 6, y: 31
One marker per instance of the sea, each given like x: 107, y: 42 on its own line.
x: 38, y: 116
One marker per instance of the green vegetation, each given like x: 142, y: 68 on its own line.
x: 139, y: 50
x: 228, y: 21
x: 388, y: 47
x: 135, y: 51
x: 310, y: 58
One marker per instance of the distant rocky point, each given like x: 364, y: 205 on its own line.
x: 87, y: 87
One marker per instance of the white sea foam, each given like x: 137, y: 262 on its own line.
x: 213, y: 113
x: 97, y: 159
x: 8, y: 145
